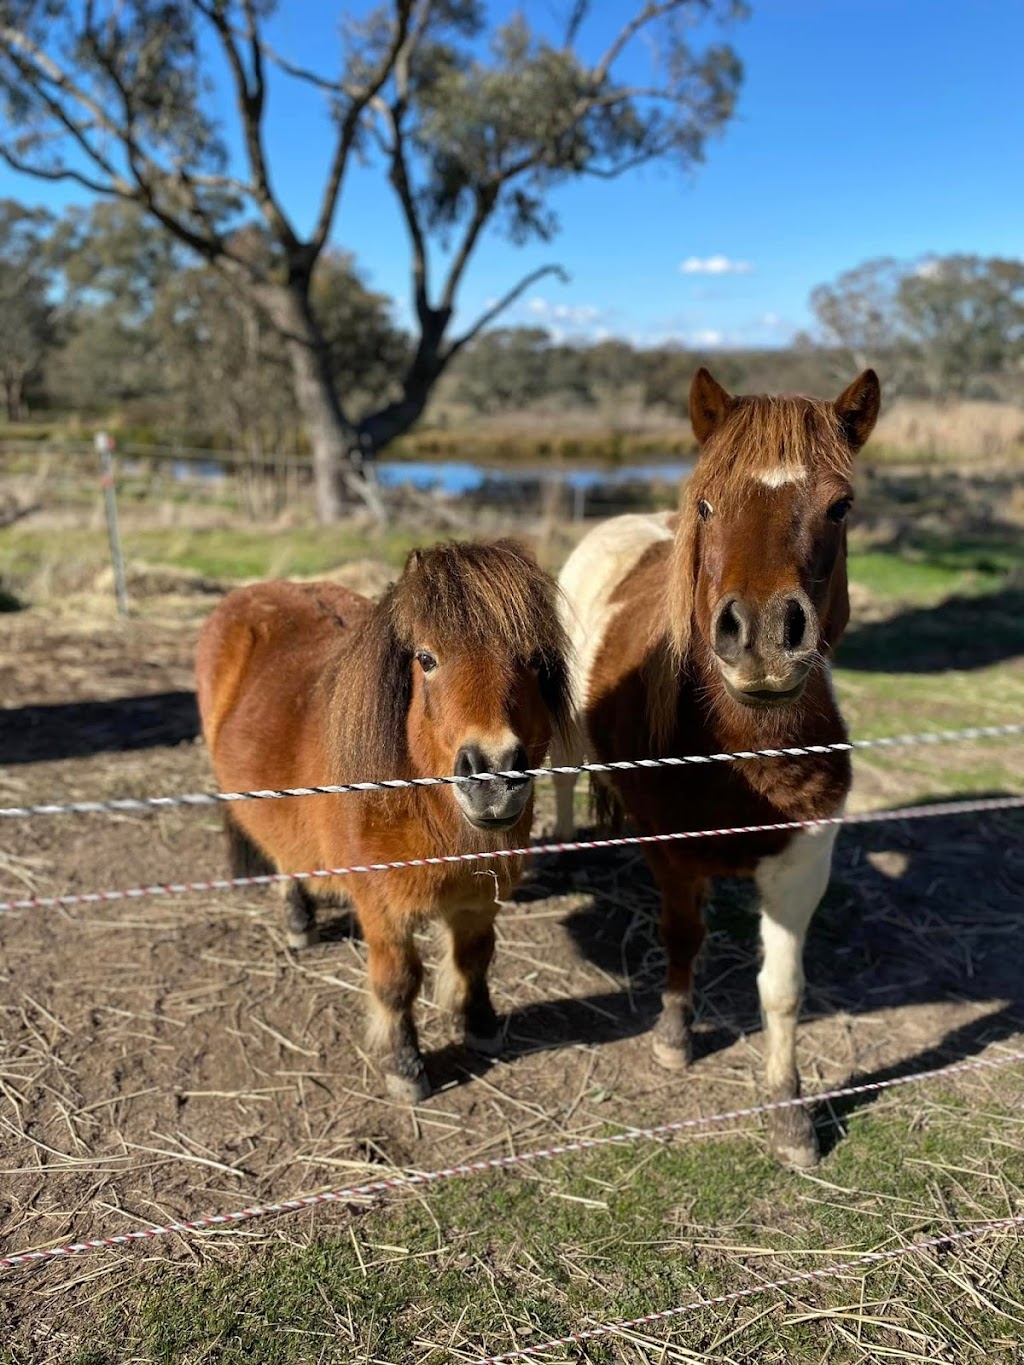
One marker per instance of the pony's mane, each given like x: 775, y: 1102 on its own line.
x: 765, y: 432
x: 761, y: 434
x: 492, y: 597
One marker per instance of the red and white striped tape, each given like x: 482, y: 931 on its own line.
x: 980, y: 805
x: 210, y: 1221
x: 148, y: 803
x: 867, y: 1261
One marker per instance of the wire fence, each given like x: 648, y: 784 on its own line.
x: 210, y: 1222
x: 213, y: 1222
x: 981, y: 805
x: 186, y: 799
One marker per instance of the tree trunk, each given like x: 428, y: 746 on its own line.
x: 13, y: 393
x: 335, y: 441
x: 427, y: 366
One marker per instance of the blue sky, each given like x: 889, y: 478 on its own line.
x: 864, y: 128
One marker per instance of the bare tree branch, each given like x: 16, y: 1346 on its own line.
x: 302, y: 73
x: 251, y: 96
x: 653, y: 10
x: 398, y: 174
x: 504, y: 302
x: 575, y: 21
x: 51, y: 72
x: 57, y: 173
x: 359, y: 102
x: 486, y: 202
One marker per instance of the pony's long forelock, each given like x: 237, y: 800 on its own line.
x: 492, y: 596
x: 762, y: 436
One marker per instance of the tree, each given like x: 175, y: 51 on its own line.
x: 858, y: 315
x: 113, y: 263
x: 112, y: 95
x: 965, y: 315
x: 507, y: 367
x: 937, y: 323
x: 27, y: 316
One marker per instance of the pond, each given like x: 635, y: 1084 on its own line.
x: 459, y: 477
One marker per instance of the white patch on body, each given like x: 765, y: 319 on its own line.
x: 781, y: 475
x: 588, y: 581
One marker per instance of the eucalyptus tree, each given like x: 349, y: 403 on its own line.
x: 473, y: 130
x: 28, y: 321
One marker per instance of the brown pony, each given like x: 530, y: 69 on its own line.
x: 709, y: 630
x: 459, y: 669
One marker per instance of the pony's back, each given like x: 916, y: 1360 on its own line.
x: 263, y: 644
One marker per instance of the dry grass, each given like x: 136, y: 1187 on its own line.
x: 974, y: 432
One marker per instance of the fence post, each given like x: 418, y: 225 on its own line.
x: 104, y: 447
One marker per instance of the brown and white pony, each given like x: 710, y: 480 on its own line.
x: 709, y: 630
x: 459, y: 669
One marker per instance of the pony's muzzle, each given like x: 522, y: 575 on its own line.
x: 497, y: 802
x: 765, y: 650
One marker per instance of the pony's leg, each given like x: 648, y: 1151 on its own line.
x: 300, y: 916
x: 462, y: 979
x: 791, y: 886
x: 567, y: 751
x: 682, y: 933
x: 395, y: 974
x: 565, y: 791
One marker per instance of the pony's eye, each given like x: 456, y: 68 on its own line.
x: 837, y: 512
x: 535, y: 662
x: 426, y: 660
x: 705, y: 509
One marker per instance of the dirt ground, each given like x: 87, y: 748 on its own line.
x: 167, y: 1057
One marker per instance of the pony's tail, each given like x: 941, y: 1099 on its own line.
x: 605, y: 807
x: 245, y: 858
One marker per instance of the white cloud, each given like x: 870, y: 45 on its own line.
x: 715, y: 265
x: 770, y: 320
x: 928, y: 270
x: 707, y: 336
x: 577, y: 315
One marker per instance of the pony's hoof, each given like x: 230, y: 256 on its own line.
x: 792, y: 1138
x: 302, y: 938
x: 673, y: 1056
x: 408, y: 1089
x: 487, y: 1044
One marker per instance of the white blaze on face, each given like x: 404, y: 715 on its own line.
x: 781, y: 475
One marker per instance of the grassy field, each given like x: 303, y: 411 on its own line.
x: 498, y: 1263
x: 504, y: 1261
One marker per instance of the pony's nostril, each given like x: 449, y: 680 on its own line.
x: 794, y: 628
x: 732, y: 632
x: 520, y: 759
x: 729, y: 623
x: 469, y: 761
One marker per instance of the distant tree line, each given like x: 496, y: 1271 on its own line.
x: 102, y: 313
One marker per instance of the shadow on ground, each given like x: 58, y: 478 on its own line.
x: 961, y: 633
x: 927, y: 913
x: 36, y: 734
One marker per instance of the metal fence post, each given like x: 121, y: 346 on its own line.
x: 104, y: 447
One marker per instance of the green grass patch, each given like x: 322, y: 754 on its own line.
x: 913, y: 576
x: 508, y: 1260
x: 74, y: 555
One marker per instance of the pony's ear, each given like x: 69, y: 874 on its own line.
x: 413, y: 560
x: 857, y: 408
x: 709, y: 404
